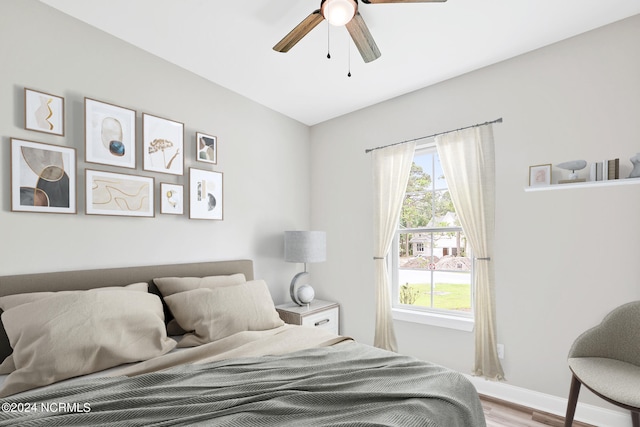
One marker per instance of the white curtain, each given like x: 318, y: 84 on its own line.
x: 391, y: 167
x: 467, y: 158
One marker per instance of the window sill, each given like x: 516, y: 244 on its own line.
x: 433, y: 319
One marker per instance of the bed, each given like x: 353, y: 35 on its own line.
x: 199, y: 344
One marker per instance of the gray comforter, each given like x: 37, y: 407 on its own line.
x: 348, y: 384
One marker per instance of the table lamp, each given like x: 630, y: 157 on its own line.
x: 304, y: 247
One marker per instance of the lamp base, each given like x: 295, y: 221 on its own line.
x: 300, y: 291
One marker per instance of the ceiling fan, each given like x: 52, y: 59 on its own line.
x: 338, y: 13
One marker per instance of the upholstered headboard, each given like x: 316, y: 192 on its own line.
x: 90, y: 279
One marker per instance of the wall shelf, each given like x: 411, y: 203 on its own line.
x: 590, y: 184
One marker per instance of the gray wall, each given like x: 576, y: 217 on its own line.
x: 563, y: 258
x: 263, y: 155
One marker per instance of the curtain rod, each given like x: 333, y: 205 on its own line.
x: 368, y: 150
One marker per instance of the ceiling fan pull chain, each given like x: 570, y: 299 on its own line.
x: 328, y: 40
x: 349, y: 56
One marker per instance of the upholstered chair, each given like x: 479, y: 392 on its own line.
x: 606, y: 360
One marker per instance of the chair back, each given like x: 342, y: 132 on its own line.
x: 616, y: 337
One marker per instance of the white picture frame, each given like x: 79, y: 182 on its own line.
x: 43, y: 112
x: 540, y: 175
x: 162, y: 145
x: 206, y: 195
x: 43, y: 177
x: 110, y: 134
x: 117, y: 194
x: 206, y: 148
x: 171, y: 198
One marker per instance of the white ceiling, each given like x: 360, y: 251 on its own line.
x: 230, y: 42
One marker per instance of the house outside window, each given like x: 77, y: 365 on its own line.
x: 431, y: 260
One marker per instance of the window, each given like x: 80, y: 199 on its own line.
x: 432, y: 263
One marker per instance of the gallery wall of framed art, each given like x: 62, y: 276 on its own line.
x: 44, y: 175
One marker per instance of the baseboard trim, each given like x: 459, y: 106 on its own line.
x: 585, y: 413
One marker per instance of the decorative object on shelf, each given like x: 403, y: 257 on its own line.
x: 119, y: 194
x: 539, y: 175
x: 205, y: 194
x: 171, y: 199
x: 304, y: 247
x: 109, y: 134
x: 635, y: 161
x: 573, y: 166
x: 43, y: 177
x: 162, y: 145
x: 43, y: 112
x: 206, y: 148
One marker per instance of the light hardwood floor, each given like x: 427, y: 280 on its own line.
x: 499, y: 413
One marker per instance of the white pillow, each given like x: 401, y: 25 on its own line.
x: 10, y: 301
x: 172, y: 285
x: 213, y: 314
x: 77, y: 333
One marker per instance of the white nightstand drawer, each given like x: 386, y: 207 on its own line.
x: 327, y: 319
x: 318, y: 314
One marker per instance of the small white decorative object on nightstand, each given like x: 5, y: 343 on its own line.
x: 305, y: 294
x: 318, y: 314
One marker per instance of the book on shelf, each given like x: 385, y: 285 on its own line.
x: 613, y: 169
x: 596, y: 171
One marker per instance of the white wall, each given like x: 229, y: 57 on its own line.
x: 563, y: 258
x: 263, y: 155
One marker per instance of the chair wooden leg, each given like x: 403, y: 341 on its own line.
x: 573, y: 401
x: 635, y: 418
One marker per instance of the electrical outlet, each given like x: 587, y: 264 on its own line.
x: 500, y: 348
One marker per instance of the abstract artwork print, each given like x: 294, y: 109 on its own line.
x: 43, y: 177
x: 119, y: 194
x: 110, y: 134
x: 205, y: 194
x: 43, y: 112
x: 207, y: 148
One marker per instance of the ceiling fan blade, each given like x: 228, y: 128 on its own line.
x: 301, y: 30
x: 363, y: 38
x: 402, y: 1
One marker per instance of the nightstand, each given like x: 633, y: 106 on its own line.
x: 319, y: 314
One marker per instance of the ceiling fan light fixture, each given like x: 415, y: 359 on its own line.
x: 338, y: 12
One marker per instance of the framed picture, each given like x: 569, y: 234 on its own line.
x: 162, y: 145
x: 43, y: 177
x: 171, y: 198
x: 206, y: 148
x: 43, y: 112
x: 110, y: 134
x: 539, y: 175
x: 205, y: 194
x: 118, y: 194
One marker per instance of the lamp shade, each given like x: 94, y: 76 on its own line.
x: 305, y: 246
